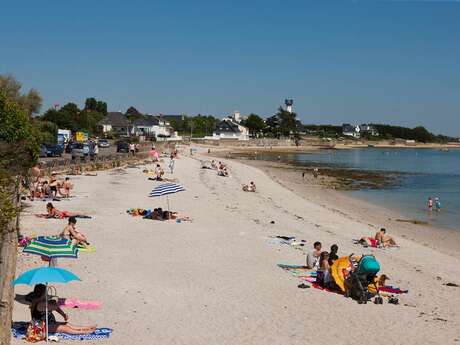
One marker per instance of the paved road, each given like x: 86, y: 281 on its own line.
x: 103, y: 151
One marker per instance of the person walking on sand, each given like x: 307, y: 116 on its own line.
x: 315, y: 172
x: 430, y: 204
x: 132, y: 149
x: 171, y: 163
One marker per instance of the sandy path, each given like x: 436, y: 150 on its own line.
x: 215, y: 280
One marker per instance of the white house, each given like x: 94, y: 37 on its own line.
x: 229, y: 128
x: 151, y: 126
x: 115, y: 122
x: 351, y: 131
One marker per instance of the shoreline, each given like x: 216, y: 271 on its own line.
x: 371, y: 215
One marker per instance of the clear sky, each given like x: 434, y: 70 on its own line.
x: 392, y: 62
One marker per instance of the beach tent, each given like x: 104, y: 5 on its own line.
x: 339, y: 271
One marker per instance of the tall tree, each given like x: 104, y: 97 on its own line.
x: 254, y: 123
x: 18, y: 151
x: 90, y: 103
x: 31, y: 101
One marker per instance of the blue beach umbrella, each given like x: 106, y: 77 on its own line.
x: 166, y: 189
x: 45, y: 275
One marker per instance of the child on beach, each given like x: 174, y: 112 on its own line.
x: 430, y: 204
x: 437, y: 204
x: 171, y: 163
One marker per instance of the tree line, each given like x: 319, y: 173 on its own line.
x: 282, y: 124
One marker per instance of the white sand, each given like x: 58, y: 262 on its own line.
x: 215, y: 280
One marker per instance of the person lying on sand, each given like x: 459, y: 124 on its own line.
x: 53, y: 212
x: 381, y: 239
x: 71, y: 233
x: 250, y: 188
x: 38, y: 313
x: 169, y: 215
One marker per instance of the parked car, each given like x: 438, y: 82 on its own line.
x: 51, y: 150
x: 43, y: 151
x: 123, y: 146
x: 103, y: 143
x: 80, y: 150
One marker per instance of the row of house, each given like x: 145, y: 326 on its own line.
x: 356, y: 131
x: 159, y: 126
x: 148, y: 125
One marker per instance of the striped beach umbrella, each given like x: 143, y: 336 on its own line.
x: 52, y: 247
x: 166, y: 189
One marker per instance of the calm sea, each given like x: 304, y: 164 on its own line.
x: 428, y: 172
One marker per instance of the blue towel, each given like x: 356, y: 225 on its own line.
x: 19, y: 330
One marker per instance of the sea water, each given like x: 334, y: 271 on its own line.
x: 426, y: 173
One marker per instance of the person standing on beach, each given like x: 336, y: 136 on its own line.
x: 430, y: 204
x: 171, y: 163
x: 132, y: 149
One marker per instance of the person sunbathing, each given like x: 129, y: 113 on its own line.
x: 53, y: 212
x: 249, y: 188
x: 71, y: 233
x: 381, y: 239
x: 38, y: 313
x: 169, y: 215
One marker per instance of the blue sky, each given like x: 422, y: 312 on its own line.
x: 392, y: 62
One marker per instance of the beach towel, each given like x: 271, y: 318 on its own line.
x: 319, y: 287
x: 86, y: 249
x: 391, y: 289
x: 298, y: 271
x: 76, y: 303
x: 19, y: 330
x: 64, y: 214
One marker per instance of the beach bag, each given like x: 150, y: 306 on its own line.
x: 36, y: 331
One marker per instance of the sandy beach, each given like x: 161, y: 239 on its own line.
x: 215, y: 280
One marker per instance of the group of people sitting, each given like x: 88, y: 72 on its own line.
x: 41, y: 188
x: 222, y: 170
x: 380, y: 240
x: 249, y: 188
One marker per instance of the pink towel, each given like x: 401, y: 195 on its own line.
x: 76, y: 303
